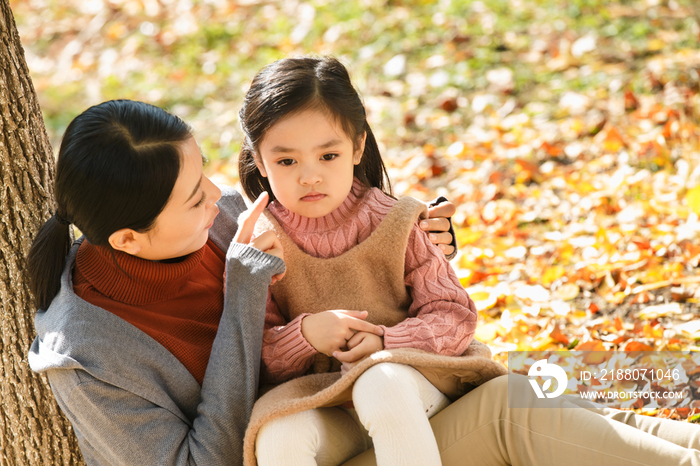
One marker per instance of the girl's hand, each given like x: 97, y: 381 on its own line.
x: 330, y: 331
x: 361, y: 345
x: 437, y: 226
x: 266, y: 242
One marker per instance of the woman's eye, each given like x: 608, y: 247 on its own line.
x: 329, y: 156
x: 201, y: 201
x: 285, y: 162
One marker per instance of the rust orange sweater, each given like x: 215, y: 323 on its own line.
x: 142, y: 292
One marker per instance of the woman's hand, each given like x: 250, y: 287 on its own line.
x: 437, y: 226
x: 361, y: 345
x: 331, y: 331
x: 267, y: 241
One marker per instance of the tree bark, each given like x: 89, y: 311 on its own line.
x: 32, y: 428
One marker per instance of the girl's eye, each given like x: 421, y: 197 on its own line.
x: 329, y: 156
x: 201, y: 201
x: 285, y: 162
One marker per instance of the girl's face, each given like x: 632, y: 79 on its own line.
x: 308, y: 160
x: 183, y: 225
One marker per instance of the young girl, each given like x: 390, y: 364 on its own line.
x: 350, y: 246
x: 308, y: 144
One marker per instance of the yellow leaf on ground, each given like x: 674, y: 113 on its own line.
x: 693, y: 199
x: 483, y: 300
x: 465, y: 277
x: 653, y: 332
x: 486, y: 332
x: 467, y: 236
x: 541, y: 343
x: 566, y: 292
x: 551, y: 274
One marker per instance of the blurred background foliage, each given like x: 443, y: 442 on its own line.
x: 419, y: 64
x: 566, y: 131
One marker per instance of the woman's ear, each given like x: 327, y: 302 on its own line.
x: 357, y: 157
x: 126, y: 240
x: 260, y: 165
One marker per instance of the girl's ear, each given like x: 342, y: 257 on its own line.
x: 126, y: 240
x: 357, y: 157
x: 259, y: 164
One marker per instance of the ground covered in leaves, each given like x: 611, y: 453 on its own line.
x: 567, y: 131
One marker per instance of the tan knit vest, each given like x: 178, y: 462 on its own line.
x: 367, y: 277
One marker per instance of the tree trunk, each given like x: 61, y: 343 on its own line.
x: 32, y: 428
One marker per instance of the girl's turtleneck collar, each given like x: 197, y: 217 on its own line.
x: 331, y: 221
x: 132, y: 280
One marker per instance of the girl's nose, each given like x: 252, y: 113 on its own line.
x: 309, y: 177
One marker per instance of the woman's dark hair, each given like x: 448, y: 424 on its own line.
x: 116, y: 169
x: 295, y: 84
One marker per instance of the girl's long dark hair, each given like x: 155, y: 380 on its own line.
x: 116, y: 169
x: 295, y: 84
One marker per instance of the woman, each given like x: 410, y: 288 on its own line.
x: 150, y: 326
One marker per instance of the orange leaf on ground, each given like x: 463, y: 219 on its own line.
x: 618, y: 323
x: 554, y: 151
x: 655, y: 332
x: 620, y: 340
x: 637, y: 346
x: 600, y: 355
x: 590, y: 345
x: 556, y: 335
x: 642, y: 298
x: 631, y: 102
x: 613, y: 141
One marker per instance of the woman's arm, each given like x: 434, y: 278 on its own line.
x: 438, y: 225
x: 117, y: 427
x: 153, y: 420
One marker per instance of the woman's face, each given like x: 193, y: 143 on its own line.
x: 308, y: 160
x: 183, y: 225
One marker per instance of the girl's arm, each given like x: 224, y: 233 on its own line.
x: 285, y: 352
x: 289, y: 349
x: 442, y: 317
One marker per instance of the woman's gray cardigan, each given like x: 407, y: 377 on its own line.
x: 130, y: 401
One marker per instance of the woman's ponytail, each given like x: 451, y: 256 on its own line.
x: 46, y: 258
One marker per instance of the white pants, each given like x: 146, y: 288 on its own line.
x: 393, y: 403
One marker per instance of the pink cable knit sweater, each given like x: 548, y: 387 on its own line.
x: 442, y: 318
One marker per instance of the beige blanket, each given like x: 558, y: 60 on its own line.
x: 454, y: 376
